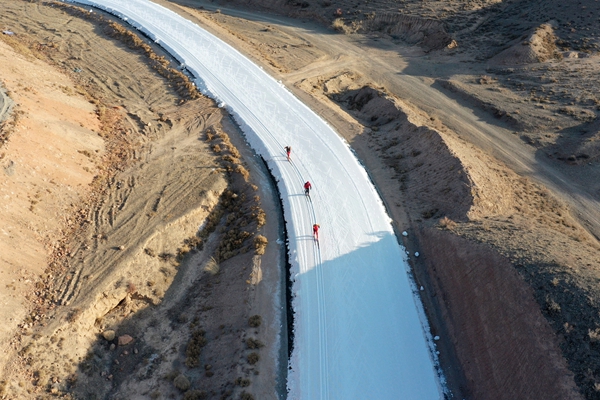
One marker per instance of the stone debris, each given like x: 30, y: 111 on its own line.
x: 109, y: 335
x: 124, y: 340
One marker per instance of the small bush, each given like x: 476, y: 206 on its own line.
x: 254, y: 343
x: 246, y: 396
x: 41, y: 377
x: 182, y: 383
x: 242, y: 171
x: 182, y: 252
x: 194, y: 348
x: 260, y: 244
x: 194, y: 242
x: 552, y: 306
x: 243, y: 382
x: 594, y: 335
x: 230, y: 159
x: 429, y: 213
x: 210, y: 133
x: 73, y: 314
x: 253, y: 358
x: 255, y: 321
x: 212, y: 266
x: 234, y: 152
x: 486, y: 80
x: 261, y: 218
x: 166, y: 257
x: 195, y: 395
x: 447, y: 223
x: 170, y: 376
x: 339, y: 25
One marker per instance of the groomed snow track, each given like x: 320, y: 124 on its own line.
x: 359, y: 328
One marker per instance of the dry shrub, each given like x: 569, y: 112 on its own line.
x: 210, y: 133
x: 194, y: 242
x: 486, y: 80
x: 230, y: 159
x: 246, y: 396
x: 253, y: 358
x: 73, y: 314
x: 234, y: 152
x: 170, y: 376
x: 225, y: 138
x: 194, y: 348
x: 166, y: 257
x: 216, y: 148
x: 254, y: 343
x: 594, y: 335
x: 339, y: 25
x: 243, y: 382
x: 447, y: 223
x: 242, y: 171
x: 182, y: 252
x: 182, y: 383
x: 255, y: 321
x: 211, y: 223
x: 195, y: 395
x: 552, y: 306
x: 41, y: 377
x: 429, y: 213
x: 212, y: 266
x: 260, y: 244
x: 261, y: 218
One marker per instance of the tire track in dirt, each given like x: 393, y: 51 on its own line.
x: 123, y: 225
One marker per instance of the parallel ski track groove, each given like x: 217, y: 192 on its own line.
x: 321, y: 294
x: 263, y: 133
x: 324, y: 387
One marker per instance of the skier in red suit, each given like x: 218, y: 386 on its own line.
x: 288, y: 151
x: 307, y: 187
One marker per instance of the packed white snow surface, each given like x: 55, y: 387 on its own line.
x: 359, y: 328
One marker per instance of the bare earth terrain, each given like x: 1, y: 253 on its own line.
x: 476, y: 120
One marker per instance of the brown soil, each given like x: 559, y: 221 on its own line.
x: 477, y: 122
x: 112, y: 161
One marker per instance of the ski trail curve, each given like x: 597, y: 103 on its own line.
x: 359, y: 327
